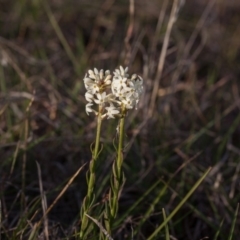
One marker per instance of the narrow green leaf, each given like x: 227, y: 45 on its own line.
x: 233, y: 224
x: 179, y: 205
x: 166, y: 226
x: 218, y: 231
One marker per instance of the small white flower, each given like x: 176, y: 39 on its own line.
x: 96, y: 71
x: 90, y: 85
x: 138, y: 84
x: 119, y: 83
x: 111, y: 111
x: 107, y: 80
x: 87, y: 81
x: 99, y: 77
x: 89, y: 96
x: 121, y: 72
x: 91, y: 73
x: 129, y: 103
x: 101, y: 98
x: 88, y: 108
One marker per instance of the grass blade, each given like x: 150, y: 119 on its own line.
x: 179, y: 205
x: 166, y: 226
x: 233, y: 224
x: 218, y: 231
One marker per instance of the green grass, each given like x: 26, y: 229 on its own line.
x: 170, y: 143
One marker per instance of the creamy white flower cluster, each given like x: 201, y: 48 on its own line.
x: 112, y: 93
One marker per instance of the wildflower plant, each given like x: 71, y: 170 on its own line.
x: 96, y: 83
x: 108, y: 96
x: 127, y: 91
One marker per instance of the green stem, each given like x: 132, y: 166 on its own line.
x: 120, y: 146
x: 88, y: 201
x: 94, y: 158
x: 117, y: 175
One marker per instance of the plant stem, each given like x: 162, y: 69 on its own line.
x: 89, y: 199
x: 117, y: 176
x: 94, y: 158
x: 120, y: 146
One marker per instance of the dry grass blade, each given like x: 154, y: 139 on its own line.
x: 129, y: 32
x: 100, y: 226
x: 26, y: 131
x: 44, y: 203
x: 23, y: 52
x: 177, y: 4
x: 61, y: 193
x: 11, y: 60
x: 199, y: 26
x: 172, y: 20
x: 161, y: 17
x: 60, y: 35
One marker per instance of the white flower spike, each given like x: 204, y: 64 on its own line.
x: 127, y: 90
x: 105, y: 91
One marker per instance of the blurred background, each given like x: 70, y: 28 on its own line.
x: 188, y: 119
